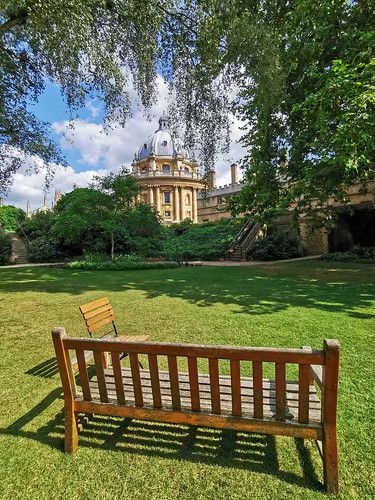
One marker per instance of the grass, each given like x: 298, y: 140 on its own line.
x: 283, y: 305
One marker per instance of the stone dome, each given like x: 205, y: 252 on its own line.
x: 160, y: 143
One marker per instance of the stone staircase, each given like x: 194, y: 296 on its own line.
x: 242, y: 243
x: 19, y: 250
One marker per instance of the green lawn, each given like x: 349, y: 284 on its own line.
x: 281, y: 305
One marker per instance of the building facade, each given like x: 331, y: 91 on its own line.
x: 213, y: 203
x: 169, y: 179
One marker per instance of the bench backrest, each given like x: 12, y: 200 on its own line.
x: 98, y: 314
x: 250, y: 359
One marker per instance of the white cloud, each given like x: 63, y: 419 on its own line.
x: 101, y: 151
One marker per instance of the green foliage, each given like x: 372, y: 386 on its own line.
x: 11, y: 217
x: 207, y: 241
x: 100, y: 262
x: 309, y: 97
x: 42, y: 249
x: 355, y: 254
x: 275, y: 247
x: 5, y: 248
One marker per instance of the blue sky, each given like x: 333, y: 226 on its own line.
x: 89, y: 150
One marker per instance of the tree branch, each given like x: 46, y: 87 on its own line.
x: 18, y: 20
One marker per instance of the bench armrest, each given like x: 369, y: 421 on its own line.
x: 316, y: 371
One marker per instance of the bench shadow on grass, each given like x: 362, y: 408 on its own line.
x: 229, y: 449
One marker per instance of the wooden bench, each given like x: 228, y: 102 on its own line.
x: 256, y: 404
x: 99, y: 314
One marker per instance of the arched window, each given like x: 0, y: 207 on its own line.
x: 187, y: 169
x: 166, y: 168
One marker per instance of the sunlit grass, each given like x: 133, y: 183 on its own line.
x: 281, y: 305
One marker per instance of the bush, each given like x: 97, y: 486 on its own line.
x: 355, y: 254
x: 100, y: 262
x: 206, y: 241
x: 41, y: 249
x: 276, y: 247
x: 5, y: 248
x: 11, y: 217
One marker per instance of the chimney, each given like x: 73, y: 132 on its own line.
x: 211, y: 180
x: 234, y: 173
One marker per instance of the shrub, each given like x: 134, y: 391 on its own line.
x: 275, y: 247
x: 5, y: 248
x: 207, y: 241
x: 42, y: 249
x: 100, y: 262
x: 11, y: 217
x: 355, y: 254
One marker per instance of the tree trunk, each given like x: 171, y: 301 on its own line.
x: 112, y: 246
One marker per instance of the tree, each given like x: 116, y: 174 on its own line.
x: 108, y: 46
x: 11, y: 217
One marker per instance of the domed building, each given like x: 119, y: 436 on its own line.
x: 168, y: 177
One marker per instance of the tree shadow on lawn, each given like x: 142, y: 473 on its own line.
x: 230, y: 449
x: 251, y: 291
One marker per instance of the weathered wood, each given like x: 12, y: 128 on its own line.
x: 214, y: 384
x: 155, y: 383
x: 240, y: 403
x: 329, y: 402
x: 137, y: 385
x: 304, y: 393
x: 298, y: 356
x: 99, y: 368
x: 317, y: 374
x: 235, y: 373
x: 174, y: 382
x: 63, y: 362
x: 258, y: 389
x: 280, y: 380
x: 203, y: 419
x: 194, y: 385
x: 117, y: 373
x: 83, y: 375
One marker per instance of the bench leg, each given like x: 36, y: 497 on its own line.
x: 71, y: 429
x: 330, y: 460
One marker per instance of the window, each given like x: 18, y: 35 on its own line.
x: 187, y: 199
x: 166, y: 169
x: 167, y: 213
x: 164, y: 143
x: 145, y: 146
x: 187, y: 169
x: 167, y: 196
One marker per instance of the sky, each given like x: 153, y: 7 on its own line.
x: 90, y: 150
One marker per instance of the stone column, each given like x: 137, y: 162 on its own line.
x: 151, y: 195
x: 194, y: 205
x: 183, y: 204
x: 176, y: 204
x: 158, y: 198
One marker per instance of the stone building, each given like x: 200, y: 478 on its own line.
x: 213, y: 203
x: 169, y: 179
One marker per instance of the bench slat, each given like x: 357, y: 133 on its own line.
x: 174, y: 382
x: 258, y: 389
x: 155, y: 383
x: 194, y: 385
x: 137, y: 385
x: 304, y: 393
x: 99, y: 368
x: 280, y: 381
x: 89, y: 306
x: 235, y: 373
x: 213, y: 366
x: 83, y: 375
x: 117, y: 373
